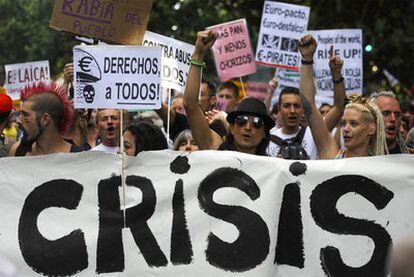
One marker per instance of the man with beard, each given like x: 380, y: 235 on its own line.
x: 108, y: 121
x: 390, y: 109
x: 45, y: 116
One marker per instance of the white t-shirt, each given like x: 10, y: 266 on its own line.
x: 307, y: 143
x: 106, y: 149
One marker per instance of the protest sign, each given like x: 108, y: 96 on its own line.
x: 281, y: 27
x: 205, y: 214
x: 175, y: 59
x: 221, y: 104
x: 232, y: 50
x: 119, y: 77
x: 122, y: 22
x: 348, y: 45
x: 257, y: 90
x: 286, y: 78
x: 22, y: 74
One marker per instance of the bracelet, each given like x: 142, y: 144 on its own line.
x: 197, y: 62
x: 340, y: 80
x: 306, y: 62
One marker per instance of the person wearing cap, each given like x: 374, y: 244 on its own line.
x: 6, y: 106
x: 44, y: 118
x: 249, y: 123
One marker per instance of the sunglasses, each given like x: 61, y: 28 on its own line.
x: 242, y: 120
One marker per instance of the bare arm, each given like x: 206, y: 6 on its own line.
x: 335, y: 114
x: 326, y: 145
x: 205, y: 138
x: 270, y: 91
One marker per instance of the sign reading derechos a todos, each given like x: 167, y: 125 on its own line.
x: 232, y: 50
x: 175, y: 59
x: 122, y: 77
x: 22, y: 74
x: 205, y: 214
x: 281, y: 27
x: 121, y: 21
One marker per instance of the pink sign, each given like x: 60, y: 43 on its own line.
x: 221, y: 104
x: 232, y: 50
x: 257, y: 90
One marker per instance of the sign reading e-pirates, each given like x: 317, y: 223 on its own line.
x: 281, y: 27
x: 123, y: 77
x: 175, y: 59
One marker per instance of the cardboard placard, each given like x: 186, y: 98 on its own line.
x: 121, y: 22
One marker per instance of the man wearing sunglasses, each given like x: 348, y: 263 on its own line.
x: 249, y: 123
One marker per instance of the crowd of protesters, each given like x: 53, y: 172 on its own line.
x: 294, y: 128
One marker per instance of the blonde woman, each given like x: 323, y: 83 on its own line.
x: 362, y: 124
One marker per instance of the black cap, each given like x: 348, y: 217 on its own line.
x: 252, y: 106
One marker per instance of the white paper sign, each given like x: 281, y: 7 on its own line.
x: 281, y: 27
x: 207, y: 213
x: 119, y: 77
x: 175, y: 59
x: 286, y: 78
x: 348, y: 45
x: 22, y: 74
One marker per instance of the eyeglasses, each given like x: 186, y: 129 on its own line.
x: 242, y: 120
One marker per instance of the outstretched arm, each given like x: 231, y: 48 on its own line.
x: 205, y: 138
x: 326, y: 145
x: 334, y: 115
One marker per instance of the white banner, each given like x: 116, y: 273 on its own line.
x: 348, y: 45
x: 175, y: 59
x: 281, y: 27
x: 22, y: 74
x: 206, y: 213
x: 119, y: 77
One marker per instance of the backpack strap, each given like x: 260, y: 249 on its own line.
x: 277, y: 140
x: 300, y: 135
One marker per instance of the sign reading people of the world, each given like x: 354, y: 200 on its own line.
x: 22, y: 74
x: 206, y: 214
x: 122, y: 77
x: 121, y: 21
x: 281, y: 27
x: 232, y: 50
x: 347, y: 44
x: 175, y: 59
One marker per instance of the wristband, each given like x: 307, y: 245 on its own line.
x: 197, y: 62
x: 306, y: 62
x: 340, y: 80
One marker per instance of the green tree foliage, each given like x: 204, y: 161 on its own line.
x: 388, y: 25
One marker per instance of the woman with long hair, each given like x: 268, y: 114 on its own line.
x: 143, y: 136
x: 362, y: 124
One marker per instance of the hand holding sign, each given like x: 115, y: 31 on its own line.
x: 68, y: 73
x: 307, y: 47
x: 204, y: 41
x: 335, y: 64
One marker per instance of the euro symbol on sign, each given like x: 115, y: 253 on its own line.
x: 84, y: 64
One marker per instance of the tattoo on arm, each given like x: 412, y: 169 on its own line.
x: 307, y: 107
